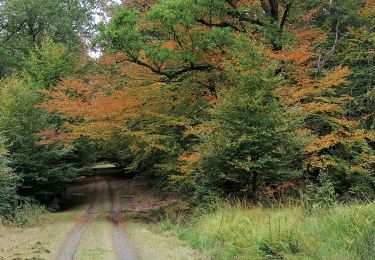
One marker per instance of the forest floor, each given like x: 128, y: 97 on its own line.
x: 104, y: 219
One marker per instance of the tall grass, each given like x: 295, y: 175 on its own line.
x: 240, y: 232
x: 26, y: 215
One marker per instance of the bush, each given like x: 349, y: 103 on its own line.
x: 320, y: 195
x: 8, y: 195
x: 26, y: 215
x: 8, y: 185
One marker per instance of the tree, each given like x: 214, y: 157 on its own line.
x: 48, y: 63
x: 172, y: 95
x: 248, y: 146
x: 136, y: 121
x: 45, y: 170
x: 23, y: 25
x: 172, y: 51
x: 340, y: 147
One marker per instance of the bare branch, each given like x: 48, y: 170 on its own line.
x: 172, y: 75
x: 327, y: 57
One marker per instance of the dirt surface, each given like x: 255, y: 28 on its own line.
x: 70, y: 246
x: 123, y: 248
x: 103, y: 181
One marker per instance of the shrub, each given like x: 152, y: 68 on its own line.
x: 8, y: 185
x: 320, y: 195
x: 27, y: 215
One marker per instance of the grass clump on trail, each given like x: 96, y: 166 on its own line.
x: 238, y: 232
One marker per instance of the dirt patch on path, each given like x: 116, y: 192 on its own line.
x: 70, y: 246
x: 123, y: 248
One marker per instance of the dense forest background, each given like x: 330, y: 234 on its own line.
x: 259, y: 100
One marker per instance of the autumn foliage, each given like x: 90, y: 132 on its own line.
x: 164, y: 62
x: 255, y: 99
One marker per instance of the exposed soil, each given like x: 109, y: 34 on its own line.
x: 70, y: 246
x: 103, y: 181
x: 124, y: 250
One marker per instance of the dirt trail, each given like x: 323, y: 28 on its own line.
x: 92, y: 225
x: 103, y: 182
x: 70, y: 246
x: 124, y: 250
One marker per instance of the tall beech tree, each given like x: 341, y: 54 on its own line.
x: 175, y: 39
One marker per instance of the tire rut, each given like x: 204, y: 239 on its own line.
x: 124, y: 250
x: 71, y: 244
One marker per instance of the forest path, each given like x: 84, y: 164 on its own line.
x: 107, y: 216
x: 70, y: 246
x: 123, y: 248
x: 99, y: 233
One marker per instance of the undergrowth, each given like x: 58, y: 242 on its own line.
x: 25, y: 215
x: 243, y: 232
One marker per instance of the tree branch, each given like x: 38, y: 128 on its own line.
x: 176, y: 38
x: 265, y: 6
x: 244, y: 17
x: 285, y: 16
x: 3, y: 26
x: 323, y: 60
x: 224, y: 24
x: 231, y: 3
x: 15, y: 31
x: 234, y: 13
x: 170, y: 76
x: 189, y: 69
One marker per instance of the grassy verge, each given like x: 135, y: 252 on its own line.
x: 238, y: 232
x: 39, y: 241
x: 151, y: 244
x: 35, y: 233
